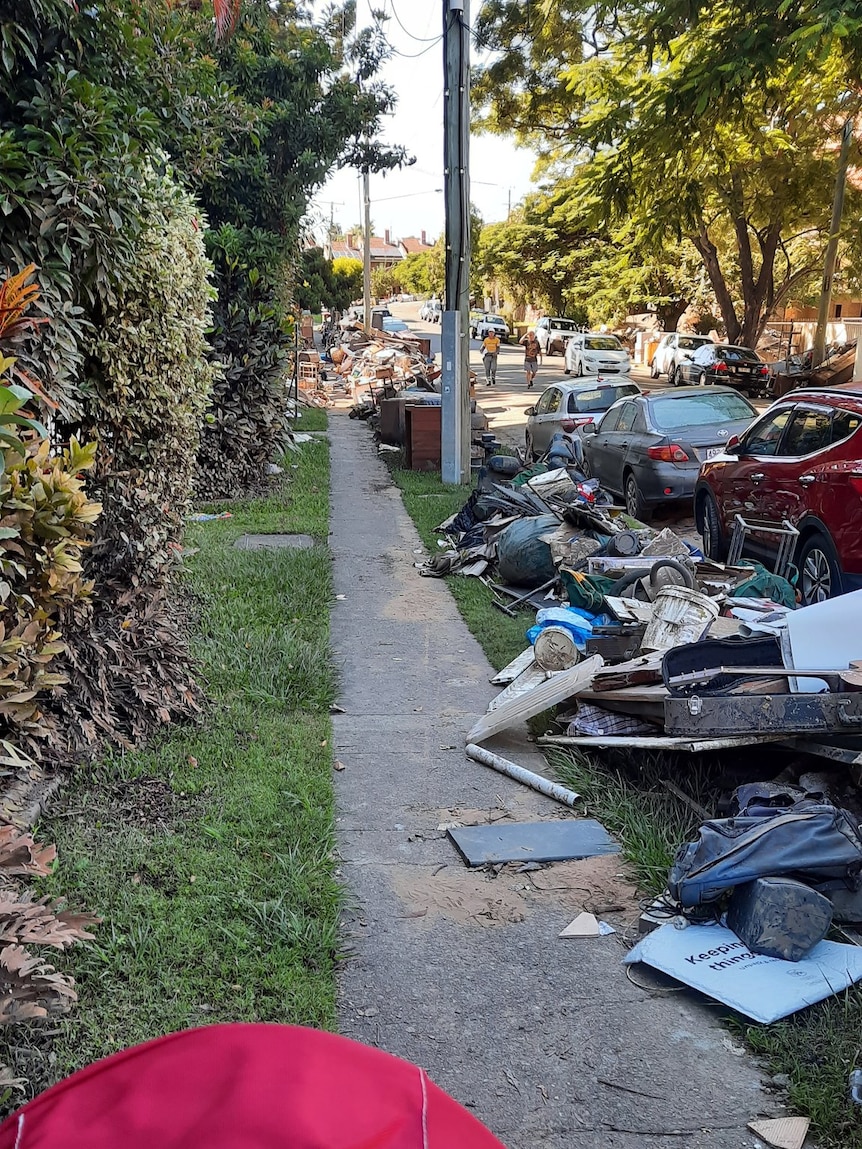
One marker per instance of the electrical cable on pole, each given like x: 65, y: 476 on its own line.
x: 455, y: 328
x: 819, y: 349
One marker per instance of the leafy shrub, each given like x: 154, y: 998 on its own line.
x: 150, y: 380
x: 45, y: 522
x: 251, y: 338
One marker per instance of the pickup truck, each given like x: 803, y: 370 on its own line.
x: 553, y: 333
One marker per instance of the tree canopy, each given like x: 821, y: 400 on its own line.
x: 739, y: 164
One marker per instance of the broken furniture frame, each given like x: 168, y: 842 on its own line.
x: 787, y: 533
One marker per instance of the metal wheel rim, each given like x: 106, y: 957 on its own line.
x: 707, y: 533
x: 816, y: 576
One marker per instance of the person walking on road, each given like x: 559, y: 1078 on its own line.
x: 532, y: 356
x: 490, y: 348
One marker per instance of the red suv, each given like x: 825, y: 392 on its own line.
x: 800, y: 462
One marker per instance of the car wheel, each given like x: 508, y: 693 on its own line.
x: 701, y: 379
x: 585, y: 467
x: 714, y: 542
x: 528, y: 448
x: 580, y: 370
x: 673, y: 375
x: 635, y: 505
x: 819, y: 570
x: 654, y: 372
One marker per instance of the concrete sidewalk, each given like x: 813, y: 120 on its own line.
x: 546, y: 1041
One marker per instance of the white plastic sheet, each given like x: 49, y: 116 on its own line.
x: 713, y: 960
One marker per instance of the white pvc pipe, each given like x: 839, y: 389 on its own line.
x: 520, y: 774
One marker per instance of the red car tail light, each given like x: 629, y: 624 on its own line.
x: 719, y: 365
x: 672, y: 454
x: 580, y: 420
x: 764, y: 370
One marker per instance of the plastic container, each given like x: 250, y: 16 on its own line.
x: 679, y: 616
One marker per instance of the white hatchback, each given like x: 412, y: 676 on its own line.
x: 593, y: 353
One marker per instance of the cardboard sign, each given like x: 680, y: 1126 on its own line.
x: 713, y: 960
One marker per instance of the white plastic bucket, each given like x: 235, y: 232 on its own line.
x: 679, y: 615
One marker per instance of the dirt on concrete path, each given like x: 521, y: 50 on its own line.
x: 462, y: 972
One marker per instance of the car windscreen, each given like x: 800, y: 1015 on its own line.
x: 602, y: 343
x: 494, y: 319
x: 737, y: 355
x: 689, y: 342
x: 599, y: 399
x: 564, y: 325
x: 677, y: 411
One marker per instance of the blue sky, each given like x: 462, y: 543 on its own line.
x: 406, y: 201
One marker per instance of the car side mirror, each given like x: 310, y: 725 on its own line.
x: 589, y: 429
x: 530, y: 411
x: 687, y: 355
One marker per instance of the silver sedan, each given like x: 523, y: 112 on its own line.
x: 578, y: 403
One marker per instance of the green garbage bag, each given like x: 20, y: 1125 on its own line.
x: 529, y: 473
x: 765, y: 584
x: 586, y: 591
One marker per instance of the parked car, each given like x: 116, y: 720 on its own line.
x: 430, y: 311
x: 491, y: 323
x: 592, y: 353
x: 394, y: 326
x: 581, y: 403
x: 649, y: 447
x: 800, y: 462
x: 671, y: 350
x: 723, y: 363
x: 553, y: 333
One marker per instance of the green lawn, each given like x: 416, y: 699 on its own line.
x: 209, y: 855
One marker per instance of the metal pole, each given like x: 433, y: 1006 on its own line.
x: 456, y: 316
x: 832, y: 246
x: 366, y: 249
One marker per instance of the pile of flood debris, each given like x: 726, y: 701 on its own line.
x: 373, y: 364
x: 638, y: 638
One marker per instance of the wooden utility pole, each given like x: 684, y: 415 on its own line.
x: 832, y: 246
x: 366, y: 248
x: 456, y: 315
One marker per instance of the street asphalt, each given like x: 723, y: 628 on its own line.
x: 545, y: 1040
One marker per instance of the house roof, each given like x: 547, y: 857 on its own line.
x: 380, y: 249
x: 412, y: 245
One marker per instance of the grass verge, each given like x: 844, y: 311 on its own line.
x: 310, y: 419
x: 209, y: 855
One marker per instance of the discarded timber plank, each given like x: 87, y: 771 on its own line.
x: 526, y: 681
x: 548, y: 693
x: 510, y: 673
x: 658, y: 742
x: 628, y: 609
x: 637, y: 672
x: 717, y: 716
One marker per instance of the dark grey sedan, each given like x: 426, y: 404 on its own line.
x: 649, y: 448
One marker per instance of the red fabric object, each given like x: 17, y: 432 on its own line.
x: 246, y: 1087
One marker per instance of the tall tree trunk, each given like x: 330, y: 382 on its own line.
x: 709, y: 255
x: 670, y: 313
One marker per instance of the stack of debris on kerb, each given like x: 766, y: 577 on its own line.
x: 638, y: 639
x: 373, y: 364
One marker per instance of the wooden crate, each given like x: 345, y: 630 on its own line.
x: 423, y: 437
